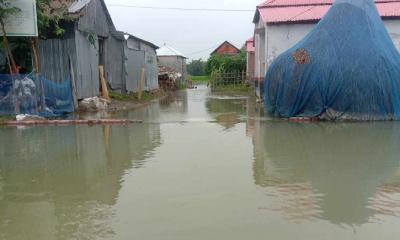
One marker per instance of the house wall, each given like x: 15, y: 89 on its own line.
x: 87, y: 65
x: 393, y: 27
x: 174, y: 62
x: 94, y: 19
x: 114, y: 59
x: 259, y: 42
x: 56, y: 54
x: 251, y: 61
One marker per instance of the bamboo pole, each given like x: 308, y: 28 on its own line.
x: 104, y: 88
x: 141, y: 85
x: 37, y: 67
x: 73, y: 83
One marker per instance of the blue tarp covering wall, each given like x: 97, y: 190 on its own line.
x: 347, y: 68
x: 33, y: 94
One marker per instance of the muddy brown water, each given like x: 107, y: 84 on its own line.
x: 202, y: 166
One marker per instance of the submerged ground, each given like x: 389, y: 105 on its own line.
x: 202, y: 166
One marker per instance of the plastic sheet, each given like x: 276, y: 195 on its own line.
x: 346, y: 68
x: 35, y: 95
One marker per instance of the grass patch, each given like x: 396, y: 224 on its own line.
x: 7, y: 118
x: 146, y: 96
x: 244, y: 89
x: 200, y: 79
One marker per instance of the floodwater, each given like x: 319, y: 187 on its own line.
x: 202, y: 166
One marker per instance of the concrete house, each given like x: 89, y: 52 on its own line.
x: 226, y: 49
x: 90, y: 40
x: 280, y: 24
x: 251, y: 58
x: 171, y: 58
x: 140, y: 54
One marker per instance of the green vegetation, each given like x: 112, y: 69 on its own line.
x: 226, y: 63
x: 196, y: 67
x: 7, y: 118
x: 146, y: 96
x: 200, y: 79
x: 233, y: 88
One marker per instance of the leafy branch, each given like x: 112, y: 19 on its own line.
x: 6, y: 10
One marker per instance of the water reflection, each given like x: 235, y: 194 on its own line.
x: 344, y: 173
x: 62, y: 182
x: 227, y: 110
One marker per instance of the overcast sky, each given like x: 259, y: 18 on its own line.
x: 187, y: 31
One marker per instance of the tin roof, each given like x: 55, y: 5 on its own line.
x: 143, y: 41
x: 167, y: 51
x: 284, y: 11
x: 250, y: 45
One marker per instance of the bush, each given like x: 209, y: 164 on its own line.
x: 226, y: 63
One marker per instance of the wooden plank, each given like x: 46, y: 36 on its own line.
x: 141, y: 85
x: 104, y: 88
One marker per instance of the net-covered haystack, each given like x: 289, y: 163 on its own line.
x: 347, y: 68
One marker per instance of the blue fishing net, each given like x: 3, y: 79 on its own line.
x: 34, y: 94
x: 346, y: 68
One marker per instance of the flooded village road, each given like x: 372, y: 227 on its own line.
x: 202, y: 166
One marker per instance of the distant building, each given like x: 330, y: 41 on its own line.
x: 226, y: 49
x: 251, y: 60
x: 280, y: 24
x: 171, y: 58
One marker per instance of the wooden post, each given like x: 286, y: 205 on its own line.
x: 104, y: 89
x: 73, y: 83
x: 141, y: 84
x: 37, y: 72
x: 35, y: 50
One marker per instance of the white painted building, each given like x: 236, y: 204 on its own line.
x: 280, y: 24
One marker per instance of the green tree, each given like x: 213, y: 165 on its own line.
x: 226, y: 63
x: 6, y: 10
x: 196, y: 67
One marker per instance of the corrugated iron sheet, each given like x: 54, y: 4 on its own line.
x: 87, y: 67
x: 55, y: 55
x: 303, y: 13
x: 78, y: 5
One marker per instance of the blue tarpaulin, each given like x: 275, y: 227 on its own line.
x: 34, y: 94
x: 346, y: 68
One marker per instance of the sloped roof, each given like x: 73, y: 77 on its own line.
x: 141, y: 40
x: 222, y: 44
x: 167, y: 51
x: 294, y: 11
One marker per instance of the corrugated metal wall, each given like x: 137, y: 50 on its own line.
x: 54, y: 55
x: 87, y: 66
x: 139, y: 54
x: 94, y: 19
x: 114, y: 59
x: 133, y: 65
x: 151, y: 71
